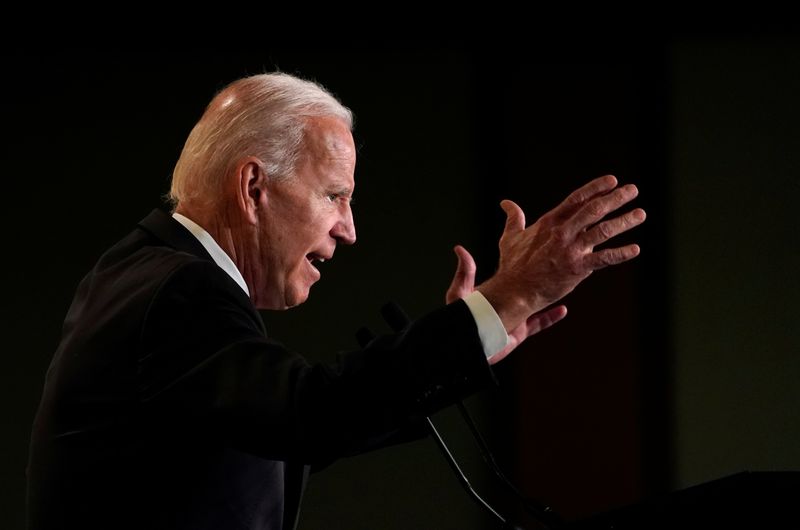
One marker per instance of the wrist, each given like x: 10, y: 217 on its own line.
x: 512, y: 308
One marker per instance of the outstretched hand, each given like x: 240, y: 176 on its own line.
x: 464, y: 283
x: 541, y: 263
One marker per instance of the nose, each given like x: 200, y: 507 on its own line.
x: 344, y: 231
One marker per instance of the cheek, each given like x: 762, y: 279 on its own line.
x: 311, y: 232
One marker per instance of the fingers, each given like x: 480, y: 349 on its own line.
x: 604, y: 231
x: 534, y: 324
x: 598, y: 186
x: 599, y: 207
x: 515, y: 217
x: 464, y: 279
x: 544, y: 319
x: 466, y: 264
x: 611, y: 256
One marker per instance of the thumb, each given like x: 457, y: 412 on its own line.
x: 464, y: 279
x: 515, y: 217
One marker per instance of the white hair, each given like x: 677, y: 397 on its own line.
x: 262, y: 115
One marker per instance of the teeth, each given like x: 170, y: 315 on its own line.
x: 321, y: 260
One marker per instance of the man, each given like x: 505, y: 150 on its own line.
x: 166, y: 405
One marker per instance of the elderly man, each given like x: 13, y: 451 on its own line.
x: 167, y: 405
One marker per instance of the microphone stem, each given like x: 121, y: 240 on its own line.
x: 460, y: 475
x: 544, y: 514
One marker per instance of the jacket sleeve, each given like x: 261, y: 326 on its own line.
x: 205, y: 360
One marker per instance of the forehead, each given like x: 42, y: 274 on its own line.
x: 329, y: 138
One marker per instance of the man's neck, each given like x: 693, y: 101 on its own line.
x: 227, y: 230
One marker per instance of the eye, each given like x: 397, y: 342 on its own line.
x: 339, y: 197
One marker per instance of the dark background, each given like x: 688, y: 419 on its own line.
x: 675, y: 369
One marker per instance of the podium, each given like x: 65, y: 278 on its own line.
x: 758, y: 500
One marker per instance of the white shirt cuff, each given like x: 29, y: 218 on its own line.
x: 490, y: 328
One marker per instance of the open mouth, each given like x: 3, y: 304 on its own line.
x: 314, y: 258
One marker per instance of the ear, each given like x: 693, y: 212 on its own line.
x: 252, y: 183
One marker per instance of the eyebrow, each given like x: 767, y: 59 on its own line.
x: 342, y: 190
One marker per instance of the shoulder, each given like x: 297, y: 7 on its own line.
x: 185, y: 280
x: 141, y: 262
x: 194, y: 293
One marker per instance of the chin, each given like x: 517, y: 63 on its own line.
x: 295, y: 298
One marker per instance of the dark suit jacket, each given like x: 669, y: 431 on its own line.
x: 167, y: 406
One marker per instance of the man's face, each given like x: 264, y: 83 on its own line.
x: 307, y: 215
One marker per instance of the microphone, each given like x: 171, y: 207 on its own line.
x: 398, y: 320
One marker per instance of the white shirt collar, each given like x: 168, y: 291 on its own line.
x: 217, y: 254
